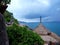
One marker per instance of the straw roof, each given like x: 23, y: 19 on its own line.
x: 45, y: 33
x: 41, y: 30
x: 48, y: 38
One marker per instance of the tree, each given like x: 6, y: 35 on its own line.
x: 3, y: 5
x: 5, y: 2
x: 8, y: 16
x: 3, y: 34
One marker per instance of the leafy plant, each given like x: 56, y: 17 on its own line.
x: 22, y: 36
x: 8, y: 16
x: 5, y: 2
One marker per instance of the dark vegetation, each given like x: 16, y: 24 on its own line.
x: 8, y: 16
x: 3, y: 5
x: 21, y: 35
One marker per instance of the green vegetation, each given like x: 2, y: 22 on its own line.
x: 3, y: 5
x: 8, y: 16
x: 15, y: 21
x: 20, y: 35
x: 5, y: 2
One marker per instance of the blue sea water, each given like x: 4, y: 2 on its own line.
x: 52, y: 26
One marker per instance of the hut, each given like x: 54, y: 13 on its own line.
x: 49, y: 37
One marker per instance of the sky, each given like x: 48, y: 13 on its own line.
x: 31, y: 10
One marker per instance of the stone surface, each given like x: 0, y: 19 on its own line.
x: 3, y: 33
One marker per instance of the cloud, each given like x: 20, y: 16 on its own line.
x: 26, y: 6
x: 51, y: 19
x: 44, y: 19
x: 33, y: 9
x: 58, y: 9
x: 29, y: 20
x: 33, y: 20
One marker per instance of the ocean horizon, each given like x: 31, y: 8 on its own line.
x: 51, y: 26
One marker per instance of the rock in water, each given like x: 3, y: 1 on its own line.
x: 3, y: 33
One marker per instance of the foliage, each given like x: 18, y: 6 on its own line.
x: 22, y: 36
x: 8, y: 16
x: 5, y: 2
x: 15, y: 21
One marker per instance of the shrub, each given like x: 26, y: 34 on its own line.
x: 22, y: 36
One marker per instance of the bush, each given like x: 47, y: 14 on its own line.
x: 8, y: 16
x: 22, y: 36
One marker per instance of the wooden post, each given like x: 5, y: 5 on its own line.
x: 40, y: 19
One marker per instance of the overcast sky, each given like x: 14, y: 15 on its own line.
x: 31, y: 10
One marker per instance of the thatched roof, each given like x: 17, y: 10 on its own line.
x: 41, y: 30
x: 45, y: 33
x: 48, y: 38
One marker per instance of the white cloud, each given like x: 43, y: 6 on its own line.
x: 45, y: 19
x: 23, y: 7
x: 58, y: 9
x: 45, y: 2
x: 29, y: 20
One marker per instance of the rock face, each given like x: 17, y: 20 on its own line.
x: 3, y: 33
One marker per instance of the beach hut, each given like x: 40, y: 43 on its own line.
x: 49, y: 38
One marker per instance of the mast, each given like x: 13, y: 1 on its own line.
x: 40, y: 19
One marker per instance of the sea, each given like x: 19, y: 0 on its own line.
x: 51, y: 26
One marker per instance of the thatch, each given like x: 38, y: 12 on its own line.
x: 41, y: 30
x: 46, y: 34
